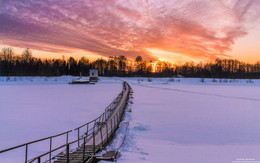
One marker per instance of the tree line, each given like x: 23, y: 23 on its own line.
x: 27, y: 65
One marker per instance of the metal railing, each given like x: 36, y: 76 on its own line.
x: 26, y: 145
x: 96, y: 133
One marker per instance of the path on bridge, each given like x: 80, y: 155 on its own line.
x: 99, y: 132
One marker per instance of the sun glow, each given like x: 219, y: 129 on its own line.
x: 173, y: 58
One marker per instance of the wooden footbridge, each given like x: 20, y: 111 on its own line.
x: 91, y: 138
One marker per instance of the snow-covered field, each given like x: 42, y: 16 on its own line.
x: 36, y: 107
x: 187, y: 121
x: 182, y: 121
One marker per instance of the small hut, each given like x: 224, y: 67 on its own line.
x: 93, y: 75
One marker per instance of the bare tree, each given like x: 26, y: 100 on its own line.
x: 122, y: 62
x: 27, y: 55
x: 7, y: 54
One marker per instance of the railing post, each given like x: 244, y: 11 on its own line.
x: 67, y: 152
x: 67, y: 138
x: 87, y: 131
x: 100, y: 120
x: 26, y: 153
x: 50, y: 149
x: 100, y: 129
x: 114, y: 121
x: 107, y: 132
x: 94, y: 125
x: 94, y: 148
x: 39, y: 159
x: 111, y: 125
x: 117, y: 116
x: 78, y: 137
x: 84, y: 148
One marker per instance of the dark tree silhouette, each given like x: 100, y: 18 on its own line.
x: 27, y: 65
x: 27, y: 55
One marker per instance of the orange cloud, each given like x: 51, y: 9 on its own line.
x: 198, y: 29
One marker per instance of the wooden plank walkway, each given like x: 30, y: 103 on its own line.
x: 103, y: 131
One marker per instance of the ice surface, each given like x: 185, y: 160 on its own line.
x: 187, y: 121
x: 181, y: 120
x: 35, y: 107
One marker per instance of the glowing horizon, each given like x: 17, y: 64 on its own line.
x: 176, y: 31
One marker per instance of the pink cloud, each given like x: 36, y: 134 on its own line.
x: 198, y: 29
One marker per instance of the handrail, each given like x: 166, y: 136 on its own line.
x: 100, y: 115
x: 33, y: 159
x: 35, y: 141
x: 93, y: 128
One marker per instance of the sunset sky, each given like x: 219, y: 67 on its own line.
x: 170, y: 30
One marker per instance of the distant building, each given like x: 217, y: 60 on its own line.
x: 93, y: 75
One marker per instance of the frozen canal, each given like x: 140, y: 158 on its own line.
x: 188, y: 121
x: 33, y: 108
x: 182, y: 121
